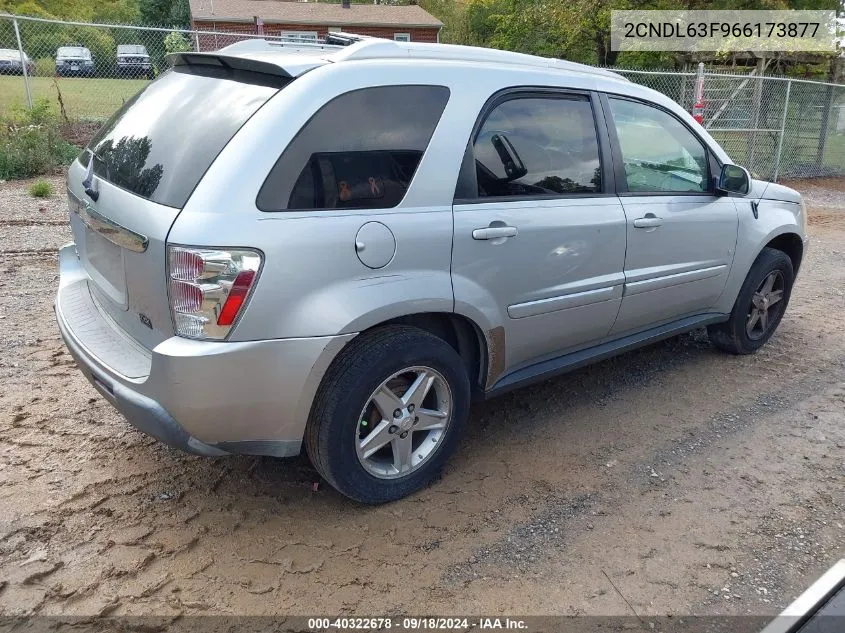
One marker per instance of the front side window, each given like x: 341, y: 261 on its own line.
x: 538, y: 146
x: 360, y: 151
x: 659, y: 153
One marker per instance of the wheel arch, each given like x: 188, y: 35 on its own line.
x: 459, y: 331
x: 790, y: 243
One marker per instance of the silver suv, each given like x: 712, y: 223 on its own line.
x: 342, y: 246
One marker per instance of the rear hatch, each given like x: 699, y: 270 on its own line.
x: 128, y: 187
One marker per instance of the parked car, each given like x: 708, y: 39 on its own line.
x: 431, y: 225
x: 12, y: 64
x: 74, y: 61
x: 133, y: 61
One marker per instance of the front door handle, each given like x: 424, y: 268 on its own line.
x: 494, y: 232
x: 650, y: 221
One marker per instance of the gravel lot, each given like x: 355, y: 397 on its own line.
x: 674, y: 480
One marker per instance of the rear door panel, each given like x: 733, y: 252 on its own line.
x: 557, y: 283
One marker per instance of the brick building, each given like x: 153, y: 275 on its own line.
x: 308, y: 21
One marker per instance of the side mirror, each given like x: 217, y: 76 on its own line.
x: 734, y: 179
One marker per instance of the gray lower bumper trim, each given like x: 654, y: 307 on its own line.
x: 149, y: 417
x: 145, y: 414
x: 271, y: 448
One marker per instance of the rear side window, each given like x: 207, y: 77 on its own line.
x: 162, y: 141
x: 538, y: 146
x: 360, y: 151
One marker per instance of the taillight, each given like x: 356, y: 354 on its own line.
x: 208, y: 288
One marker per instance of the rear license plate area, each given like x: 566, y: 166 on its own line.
x: 104, y: 264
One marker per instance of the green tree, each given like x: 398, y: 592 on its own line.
x: 165, y: 13
x: 177, y: 43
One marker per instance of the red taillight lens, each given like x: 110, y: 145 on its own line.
x: 236, y: 297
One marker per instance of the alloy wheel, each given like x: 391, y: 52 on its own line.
x: 766, y: 304
x: 403, y: 422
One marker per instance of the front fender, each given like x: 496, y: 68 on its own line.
x: 775, y: 218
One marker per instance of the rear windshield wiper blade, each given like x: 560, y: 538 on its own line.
x: 88, y: 181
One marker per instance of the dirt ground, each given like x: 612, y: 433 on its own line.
x: 674, y: 480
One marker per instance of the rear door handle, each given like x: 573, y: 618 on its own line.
x: 494, y: 232
x: 650, y: 221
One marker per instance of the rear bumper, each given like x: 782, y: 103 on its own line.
x: 207, y: 398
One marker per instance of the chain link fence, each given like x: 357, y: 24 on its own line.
x: 776, y: 126
x: 89, y: 70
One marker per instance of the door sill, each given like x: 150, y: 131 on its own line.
x: 573, y: 360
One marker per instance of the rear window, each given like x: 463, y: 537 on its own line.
x: 162, y: 141
x: 73, y: 51
x: 131, y: 49
x: 360, y: 151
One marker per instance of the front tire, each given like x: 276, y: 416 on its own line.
x: 759, y: 307
x: 389, y: 413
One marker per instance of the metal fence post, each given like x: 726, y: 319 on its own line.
x: 23, y: 64
x: 755, y: 116
x: 782, y: 130
x: 823, y: 125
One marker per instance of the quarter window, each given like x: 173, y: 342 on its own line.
x: 659, y: 153
x: 360, y: 151
x: 538, y: 146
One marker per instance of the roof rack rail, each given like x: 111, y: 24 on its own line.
x: 343, y: 38
x: 332, y: 42
x: 351, y: 46
x: 377, y: 48
x: 260, y: 45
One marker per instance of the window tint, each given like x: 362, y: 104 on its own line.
x: 660, y: 154
x: 161, y: 142
x: 360, y: 151
x: 538, y: 146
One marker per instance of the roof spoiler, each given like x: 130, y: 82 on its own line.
x: 216, y: 60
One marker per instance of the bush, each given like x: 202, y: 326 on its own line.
x: 31, y: 143
x: 41, y: 189
x: 175, y: 42
x: 45, y: 67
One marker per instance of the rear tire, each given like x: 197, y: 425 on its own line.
x: 759, y: 307
x: 355, y: 411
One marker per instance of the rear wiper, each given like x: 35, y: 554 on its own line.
x: 88, y: 182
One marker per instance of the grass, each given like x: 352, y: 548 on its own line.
x: 83, y: 98
x: 41, y: 189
